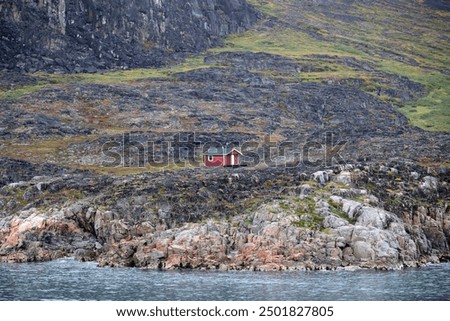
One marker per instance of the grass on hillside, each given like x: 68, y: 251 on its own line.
x: 385, y: 36
x: 112, y: 77
x: 285, y: 42
x: 431, y: 112
x: 124, y: 76
x: 21, y: 91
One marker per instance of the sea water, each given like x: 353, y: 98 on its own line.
x: 67, y: 279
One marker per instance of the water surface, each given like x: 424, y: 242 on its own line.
x: 67, y: 279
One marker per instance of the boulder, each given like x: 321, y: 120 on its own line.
x: 322, y: 177
x: 374, y: 217
x: 334, y: 222
x: 343, y: 177
x: 350, y: 207
x: 363, y: 251
x: 430, y: 183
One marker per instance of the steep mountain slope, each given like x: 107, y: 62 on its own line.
x: 86, y: 35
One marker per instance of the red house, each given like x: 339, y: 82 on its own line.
x: 222, y: 157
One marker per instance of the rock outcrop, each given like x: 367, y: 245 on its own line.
x: 39, y: 236
x: 87, y: 35
x: 359, y: 216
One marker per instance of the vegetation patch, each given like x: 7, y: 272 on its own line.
x: 310, y: 221
x: 410, y: 45
x: 336, y: 209
x: 108, y: 78
x: 432, y: 111
x: 307, y: 218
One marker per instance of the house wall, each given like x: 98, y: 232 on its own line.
x: 228, y: 159
x: 217, y: 160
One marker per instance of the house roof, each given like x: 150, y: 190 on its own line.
x: 221, y: 150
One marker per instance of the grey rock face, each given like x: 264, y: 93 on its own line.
x: 334, y: 222
x: 321, y: 177
x: 362, y: 250
x: 429, y: 183
x: 87, y: 35
x: 375, y: 217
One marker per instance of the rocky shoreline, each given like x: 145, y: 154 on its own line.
x: 383, y: 216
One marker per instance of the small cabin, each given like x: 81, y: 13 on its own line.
x: 220, y: 156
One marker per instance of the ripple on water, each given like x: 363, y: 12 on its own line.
x: 67, y: 279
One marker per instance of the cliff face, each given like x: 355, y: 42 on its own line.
x: 85, y: 35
